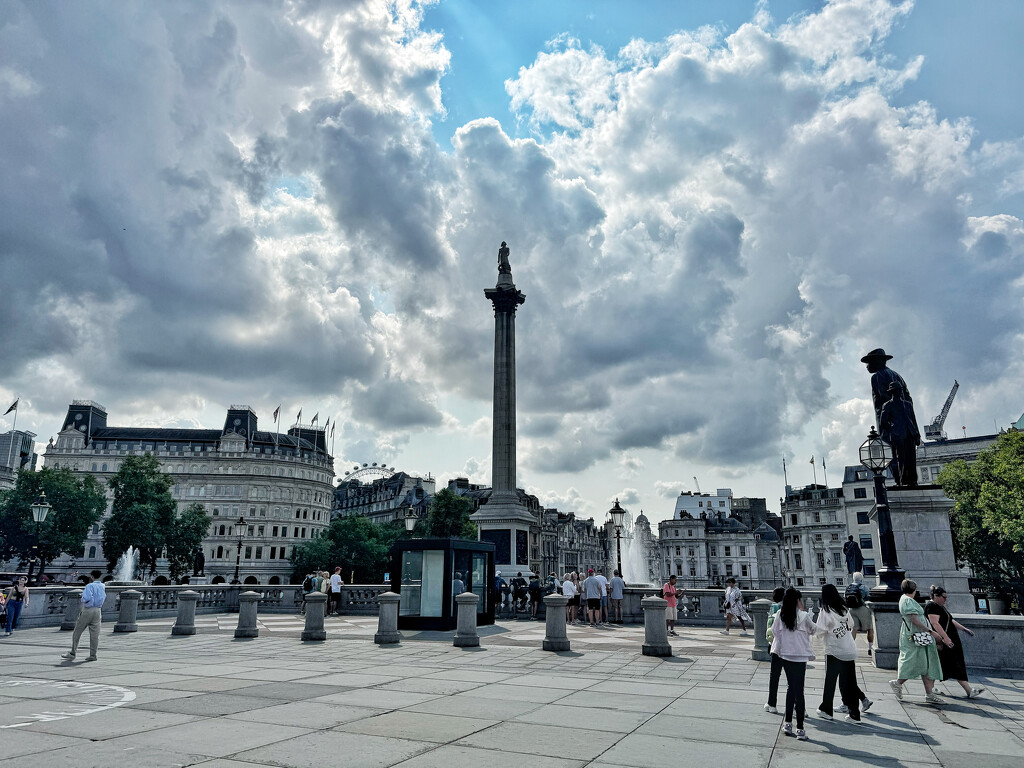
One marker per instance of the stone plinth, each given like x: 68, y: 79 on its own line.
x: 924, y: 543
x: 465, y: 633
x: 128, y: 612
x: 655, y: 630
x: 72, y: 610
x: 185, y: 623
x: 886, y: 618
x: 314, y: 631
x: 555, y: 637
x: 387, y: 619
x: 758, y: 610
x: 247, y: 602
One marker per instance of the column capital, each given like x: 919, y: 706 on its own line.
x: 505, y: 299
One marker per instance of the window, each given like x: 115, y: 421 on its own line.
x: 700, y: 503
x: 721, y: 503
x: 835, y: 537
x: 676, y: 533
x: 95, y: 529
x: 222, y: 530
x: 259, y: 553
x: 821, y: 560
x: 839, y: 582
x: 865, y: 541
x: 275, y: 531
x: 104, y: 467
x: 821, y: 579
x: 862, y: 518
x: 869, y: 566
x: 743, y: 551
x: 728, y: 551
x: 259, y: 531
x: 792, y: 519
x: 296, y: 534
x: 92, y: 552
x: 690, y: 552
x: 693, y: 571
x: 689, y: 531
x: 679, y: 550
x: 220, y: 552
x: 796, y: 539
x: 94, y: 467
x: 248, y: 553
x: 251, y: 531
x: 860, y: 493
x: 728, y: 569
x: 283, y: 556
x: 273, y: 553
x: 817, y: 517
x: 799, y: 581
x: 714, y: 551
x: 679, y: 570
x: 798, y: 561
x: 743, y: 570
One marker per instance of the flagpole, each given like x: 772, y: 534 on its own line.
x: 824, y: 471
x: 10, y: 448
x: 815, y: 470
x: 785, y: 477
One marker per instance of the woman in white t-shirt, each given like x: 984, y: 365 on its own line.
x: 793, y: 628
x: 569, y: 591
x: 836, y: 624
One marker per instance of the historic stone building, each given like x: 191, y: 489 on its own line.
x: 813, y: 531
x: 384, y: 499
x: 279, y: 485
x: 17, y: 452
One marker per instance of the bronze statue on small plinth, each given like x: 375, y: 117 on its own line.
x: 894, y: 416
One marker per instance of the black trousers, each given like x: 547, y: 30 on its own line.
x: 795, y: 671
x: 773, y: 681
x: 846, y: 673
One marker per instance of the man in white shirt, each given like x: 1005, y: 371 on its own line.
x: 604, y: 595
x: 336, y: 584
x: 93, y: 597
x: 569, y: 590
x: 615, y: 590
x: 592, y: 591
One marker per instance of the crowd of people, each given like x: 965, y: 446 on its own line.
x: 329, y: 584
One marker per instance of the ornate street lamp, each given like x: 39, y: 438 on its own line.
x: 40, y: 509
x: 875, y: 454
x: 238, y: 554
x: 617, y: 513
x: 411, y: 519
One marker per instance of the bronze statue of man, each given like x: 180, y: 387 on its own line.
x: 898, y: 427
x: 881, y: 378
x: 504, y: 268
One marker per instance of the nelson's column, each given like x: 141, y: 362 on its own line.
x: 504, y: 519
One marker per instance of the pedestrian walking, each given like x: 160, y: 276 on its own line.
x: 668, y: 593
x: 535, y: 590
x: 836, y: 624
x: 616, y: 589
x: 918, y: 655
x: 17, y: 599
x: 569, y: 591
x: 93, y: 596
x: 307, y: 587
x: 592, y: 592
x: 857, y: 596
x: 776, y: 669
x: 335, y: 594
x: 793, y: 629
x: 951, y: 650
x: 734, y: 607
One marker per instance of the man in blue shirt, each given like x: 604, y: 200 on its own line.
x: 93, y: 597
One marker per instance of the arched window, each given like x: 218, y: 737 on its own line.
x: 220, y: 552
x: 94, y: 467
x: 92, y: 552
x: 222, y: 530
x: 104, y: 467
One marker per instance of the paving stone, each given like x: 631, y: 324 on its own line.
x: 328, y: 748
x: 305, y: 714
x: 547, y: 740
x: 418, y: 726
x: 378, y: 698
x: 585, y: 718
x: 468, y: 705
x: 111, y: 723
x: 209, y: 704
x: 451, y: 756
x: 645, y: 751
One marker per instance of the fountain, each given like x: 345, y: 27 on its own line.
x: 634, y: 559
x: 124, y: 573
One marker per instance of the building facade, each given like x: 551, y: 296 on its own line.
x: 17, y: 452
x: 813, y: 531
x: 385, y: 499
x: 280, y: 486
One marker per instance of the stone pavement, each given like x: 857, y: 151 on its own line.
x: 210, y: 700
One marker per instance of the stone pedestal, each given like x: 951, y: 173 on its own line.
x: 387, y: 620
x: 247, y: 602
x: 465, y: 632
x: 887, y: 634
x: 924, y: 543
x: 185, y: 623
x: 72, y: 610
x: 128, y: 612
x: 655, y: 630
x: 758, y: 610
x: 314, y: 630
x: 555, y: 637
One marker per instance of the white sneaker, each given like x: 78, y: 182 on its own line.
x: 744, y: 633
x: 842, y: 708
x: 801, y: 735
x: 823, y: 714
x: 897, y: 689
x: 787, y: 729
x: 851, y: 721
x: 723, y: 631
x: 976, y: 691
x: 770, y: 708
x: 932, y: 698
x: 865, y: 705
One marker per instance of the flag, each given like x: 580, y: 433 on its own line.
x: 298, y: 418
x: 14, y: 406
x: 315, y: 417
x: 823, y: 462
x: 277, y: 412
x: 812, y: 459
x: 333, y: 426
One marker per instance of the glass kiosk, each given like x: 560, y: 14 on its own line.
x: 428, y: 573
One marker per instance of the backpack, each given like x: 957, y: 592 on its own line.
x: 854, y: 598
x: 307, y: 585
x: 769, y: 635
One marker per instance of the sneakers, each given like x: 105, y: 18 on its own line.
x: 90, y: 658
x: 70, y: 656
x: 869, y: 651
x: 770, y: 708
x: 787, y: 729
x: 744, y: 633
x: 842, y: 708
x: 851, y: 721
x: 897, y: 689
x: 865, y: 705
x: 723, y: 631
x: 823, y: 714
x: 673, y: 633
x: 801, y: 734
x: 932, y: 698
x: 976, y: 691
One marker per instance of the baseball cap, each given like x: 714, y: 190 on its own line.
x: 590, y: 570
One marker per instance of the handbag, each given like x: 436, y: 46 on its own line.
x: 922, y: 639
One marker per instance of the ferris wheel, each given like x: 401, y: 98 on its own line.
x: 370, y: 472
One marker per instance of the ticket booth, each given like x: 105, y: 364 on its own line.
x: 428, y: 573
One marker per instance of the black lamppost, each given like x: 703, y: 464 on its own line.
x: 238, y: 555
x: 40, y: 509
x: 617, y: 513
x: 411, y: 518
x: 774, y: 577
x: 875, y: 454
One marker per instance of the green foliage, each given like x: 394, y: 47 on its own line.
x: 142, y: 514
x: 354, y: 543
x: 988, y: 519
x: 76, y: 504
x: 185, y: 534
x: 448, y: 515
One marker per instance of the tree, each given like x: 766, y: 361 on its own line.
x: 76, y: 504
x: 988, y: 520
x: 185, y: 534
x: 448, y: 515
x: 354, y: 543
x: 142, y: 512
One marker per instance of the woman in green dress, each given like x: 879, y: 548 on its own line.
x: 916, y: 660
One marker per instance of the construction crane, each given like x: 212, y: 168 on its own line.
x: 934, y: 431
x: 697, y: 484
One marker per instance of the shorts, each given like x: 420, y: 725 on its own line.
x: 670, y: 613
x: 594, y: 603
x: 604, y: 600
x: 861, y: 618
x: 574, y: 601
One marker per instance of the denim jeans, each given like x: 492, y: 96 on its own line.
x: 13, y: 612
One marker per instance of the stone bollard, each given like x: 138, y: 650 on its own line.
x: 655, y: 630
x: 759, y: 612
x: 314, y: 630
x: 247, y: 602
x: 465, y: 632
x: 185, y: 623
x: 387, y: 620
x: 72, y: 610
x: 886, y: 619
x: 129, y: 611
x: 555, y: 638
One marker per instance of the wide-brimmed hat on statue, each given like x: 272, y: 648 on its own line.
x: 875, y: 354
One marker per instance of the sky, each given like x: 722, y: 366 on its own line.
x: 714, y: 210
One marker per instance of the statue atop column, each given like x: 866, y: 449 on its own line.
x: 504, y: 268
x: 898, y: 427
x: 881, y: 377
